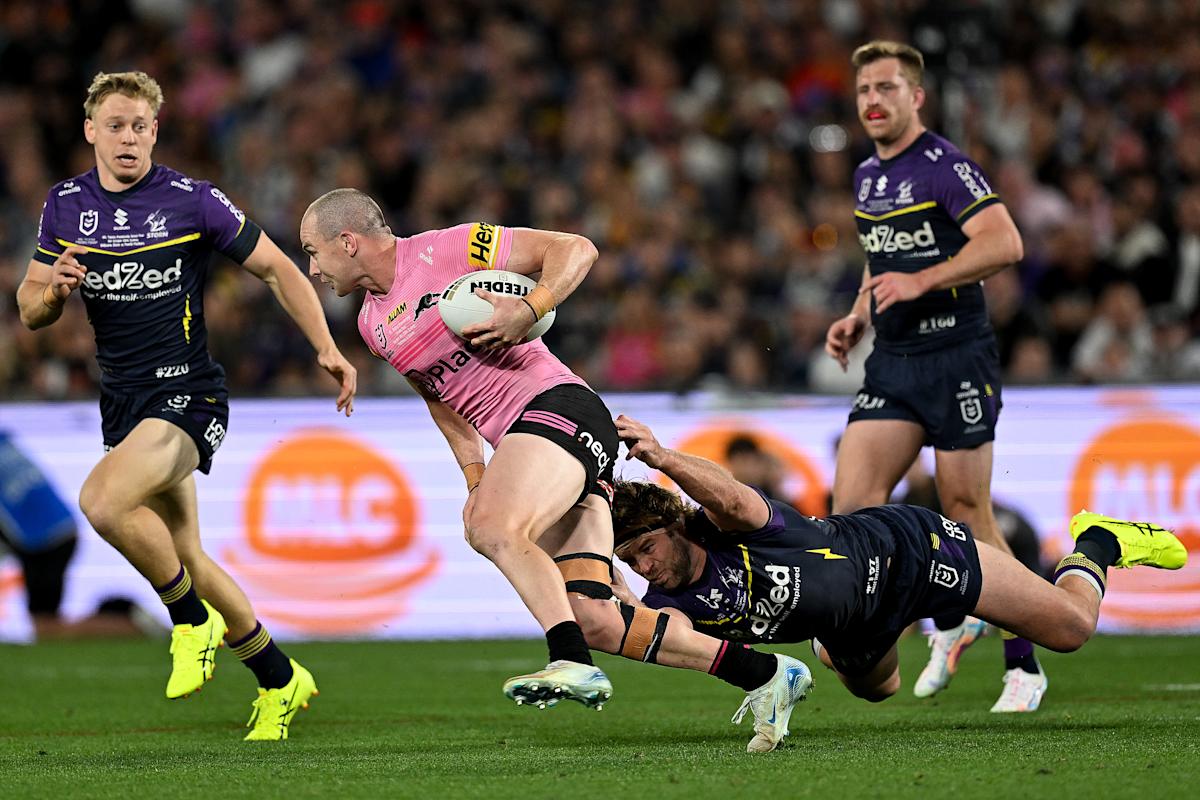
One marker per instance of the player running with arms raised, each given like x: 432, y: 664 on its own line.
x: 933, y: 230
x: 135, y: 239
x: 541, y: 510
x: 757, y: 570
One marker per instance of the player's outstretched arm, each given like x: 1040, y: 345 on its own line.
x: 729, y: 503
x: 45, y: 289
x: 561, y: 259
x: 993, y: 244
x: 298, y: 298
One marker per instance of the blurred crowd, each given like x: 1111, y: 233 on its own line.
x: 705, y: 146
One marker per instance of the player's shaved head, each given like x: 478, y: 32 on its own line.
x: 346, y: 210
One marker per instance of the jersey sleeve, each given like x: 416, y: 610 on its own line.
x: 225, y: 225
x: 961, y: 188
x: 48, y: 249
x: 472, y: 247
x: 656, y: 599
x: 776, y: 523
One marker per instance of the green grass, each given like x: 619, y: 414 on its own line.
x: 1121, y: 719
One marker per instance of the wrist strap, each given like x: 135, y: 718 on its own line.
x: 473, y: 472
x: 541, y: 300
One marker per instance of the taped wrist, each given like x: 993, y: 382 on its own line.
x: 541, y: 300
x: 473, y: 472
x: 644, y: 632
x: 587, y: 574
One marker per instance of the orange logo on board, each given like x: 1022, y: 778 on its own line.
x: 1147, y: 470
x: 331, y: 542
x: 803, y: 484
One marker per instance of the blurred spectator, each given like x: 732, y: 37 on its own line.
x: 753, y: 466
x: 1118, y: 344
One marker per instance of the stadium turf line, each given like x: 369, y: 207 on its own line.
x: 1121, y: 719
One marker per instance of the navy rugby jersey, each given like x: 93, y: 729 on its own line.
x: 910, y: 210
x: 794, y: 578
x: 148, y: 252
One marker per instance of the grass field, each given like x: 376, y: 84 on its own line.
x: 1121, y: 719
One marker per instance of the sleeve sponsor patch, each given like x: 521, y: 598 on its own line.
x: 482, y: 244
x: 973, y: 179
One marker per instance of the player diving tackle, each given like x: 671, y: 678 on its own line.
x: 755, y: 570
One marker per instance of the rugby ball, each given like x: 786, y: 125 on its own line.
x: 461, y: 307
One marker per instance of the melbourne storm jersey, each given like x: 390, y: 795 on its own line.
x: 794, y: 578
x: 148, y: 252
x: 488, y: 388
x: 910, y: 210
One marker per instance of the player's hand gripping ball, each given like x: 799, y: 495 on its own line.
x: 461, y: 307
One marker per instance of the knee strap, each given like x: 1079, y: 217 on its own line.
x: 644, y: 631
x: 587, y: 574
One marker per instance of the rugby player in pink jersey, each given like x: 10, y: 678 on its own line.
x: 541, y: 511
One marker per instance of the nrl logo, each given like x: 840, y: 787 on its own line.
x: 88, y: 221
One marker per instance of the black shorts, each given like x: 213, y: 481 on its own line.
x: 200, y: 406
x: 576, y: 419
x: 934, y: 572
x: 954, y: 394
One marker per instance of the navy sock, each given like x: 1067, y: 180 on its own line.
x: 1099, y: 545
x: 949, y: 622
x: 181, y: 600
x: 258, y: 651
x: 743, y: 666
x: 1018, y: 652
x: 566, y: 643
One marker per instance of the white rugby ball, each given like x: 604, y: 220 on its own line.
x: 461, y: 307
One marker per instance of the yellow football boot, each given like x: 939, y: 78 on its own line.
x: 193, y: 654
x: 1142, y: 543
x: 274, y: 708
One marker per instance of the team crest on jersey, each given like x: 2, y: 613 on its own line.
x: 481, y: 245
x: 88, y: 221
x: 426, y: 302
x: 156, y: 221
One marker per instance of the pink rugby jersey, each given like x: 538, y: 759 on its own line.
x: 488, y: 388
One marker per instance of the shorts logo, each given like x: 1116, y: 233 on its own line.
x: 865, y: 402
x: 214, y: 435
x: 593, y: 446
x: 945, y: 575
x: 179, y: 403
x: 481, y: 246
x: 88, y: 221
x: 872, y: 575
x: 968, y: 403
x: 952, y: 530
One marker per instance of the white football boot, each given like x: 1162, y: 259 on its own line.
x: 945, y: 648
x: 772, y: 703
x: 1022, y: 691
x: 560, y: 680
